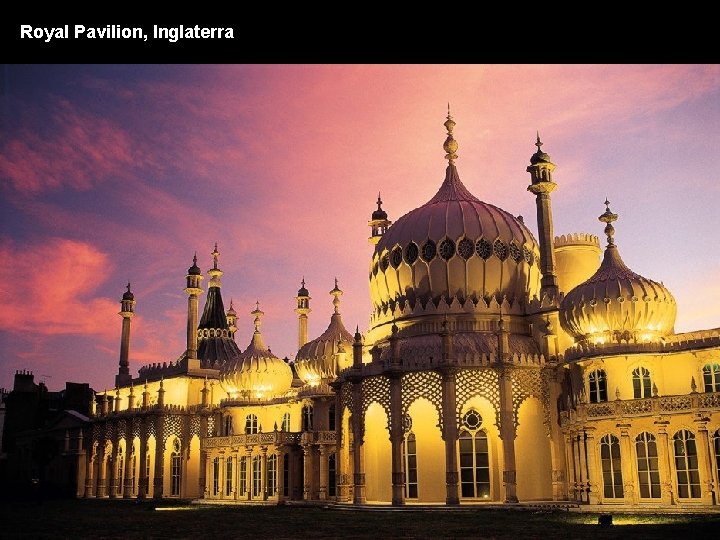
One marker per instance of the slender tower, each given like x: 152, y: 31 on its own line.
x: 127, y: 304
x: 541, y: 169
x: 303, y: 309
x: 378, y: 223
x: 193, y: 290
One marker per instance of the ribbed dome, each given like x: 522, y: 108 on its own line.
x: 616, y: 304
x: 256, y: 372
x: 454, y: 246
x: 318, y: 359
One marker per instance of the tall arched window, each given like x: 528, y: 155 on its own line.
x: 642, y: 385
x: 216, y: 477
x: 271, y: 475
x: 120, y: 462
x: 251, y: 424
x: 175, y: 464
x: 228, y: 476
x: 242, y: 475
x: 285, y: 422
x: 611, y: 470
x: 598, y: 386
x: 711, y: 377
x: 686, y: 465
x: 256, y: 476
x: 716, y: 444
x: 307, y: 418
x: 331, y: 417
x: 228, y: 425
x: 647, y: 465
x: 474, y: 457
x: 332, y: 475
x: 411, y: 477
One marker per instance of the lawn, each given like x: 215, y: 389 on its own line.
x: 127, y: 519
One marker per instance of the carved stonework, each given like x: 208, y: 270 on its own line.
x: 359, y: 479
x: 476, y: 382
x: 173, y: 426
x: 376, y: 390
x: 194, y: 426
x: 525, y: 383
x: 346, y: 398
x: 422, y: 384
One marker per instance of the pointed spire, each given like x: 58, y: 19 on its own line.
x: 608, y: 217
x: 539, y: 156
x: 215, y: 254
x: 258, y: 315
x: 215, y: 272
x: 450, y: 146
x: 538, y: 143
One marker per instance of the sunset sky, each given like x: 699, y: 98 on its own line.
x: 112, y: 174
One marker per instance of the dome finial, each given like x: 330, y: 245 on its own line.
x: 302, y: 282
x: 336, y: 293
x: 258, y: 315
x: 450, y: 146
x: 608, y: 217
x: 215, y: 254
x: 538, y: 143
x: 379, y: 202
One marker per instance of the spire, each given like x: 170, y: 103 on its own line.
x: 336, y: 293
x: 450, y: 146
x: 608, y: 217
x: 538, y: 143
x: 215, y: 272
x: 258, y: 315
x: 194, y: 270
x: 378, y: 223
x: 215, y: 254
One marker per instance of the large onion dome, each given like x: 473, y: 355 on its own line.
x: 256, y: 372
x: 455, y: 246
x: 616, y: 304
x: 323, y: 358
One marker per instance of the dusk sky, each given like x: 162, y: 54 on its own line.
x: 112, y: 174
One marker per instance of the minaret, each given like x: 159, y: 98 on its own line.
x: 303, y: 309
x: 541, y: 169
x: 232, y: 319
x: 126, y: 312
x: 193, y: 290
x: 378, y: 223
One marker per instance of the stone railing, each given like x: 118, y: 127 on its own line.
x: 277, y: 438
x: 318, y: 437
x: 655, y: 406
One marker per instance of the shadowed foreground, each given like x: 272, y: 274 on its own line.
x: 123, y: 519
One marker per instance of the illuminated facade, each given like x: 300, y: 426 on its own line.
x: 497, y: 368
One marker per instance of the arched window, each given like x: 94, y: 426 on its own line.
x: 251, y: 424
x: 271, y: 475
x: 242, y: 475
x: 642, y: 385
x: 611, y: 470
x: 175, y: 469
x: 474, y: 457
x: 285, y: 422
x: 647, y: 465
x: 686, y: 465
x: 711, y: 377
x: 307, y: 418
x: 332, y: 472
x: 411, y: 478
x: 256, y: 476
x: 331, y: 417
x: 120, y: 462
x: 228, y: 425
x: 598, y: 386
x: 216, y: 477
x: 228, y: 476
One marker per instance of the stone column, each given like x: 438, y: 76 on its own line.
x: 322, y: 495
x: 594, y: 472
x: 631, y: 490
x: 280, y: 460
x: 307, y: 472
x: 583, y: 484
x: 113, y: 480
x: 507, y: 434
x: 667, y: 496
x: 158, y: 475
x: 358, y: 447
x: 202, y: 467
x: 263, y: 473
x: 557, y: 453
x: 142, y: 463
x: 396, y: 438
x: 705, y: 462
x: 102, y: 474
x: 248, y: 472
x: 89, y: 466
x: 129, y: 456
x: 450, y: 435
x: 570, y: 460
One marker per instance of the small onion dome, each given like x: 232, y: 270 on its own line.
x: 194, y: 270
x: 379, y: 214
x: 231, y: 311
x: 302, y: 291
x: 128, y: 295
x: 616, y: 304
x: 324, y: 357
x: 256, y: 372
x: 539, y: 156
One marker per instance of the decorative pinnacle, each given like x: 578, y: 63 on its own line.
x: 195, y: 259
x: 538, y: 143
x: 337, y: 293
x: 379, y: 202
x: 258, y: 314
x: 215, y: 254
x: 450, y: 146
x: 608, y: 217
x: 302, y: 283
x: 128, y: 287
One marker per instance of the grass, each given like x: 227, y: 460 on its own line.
x: 98, y: 519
